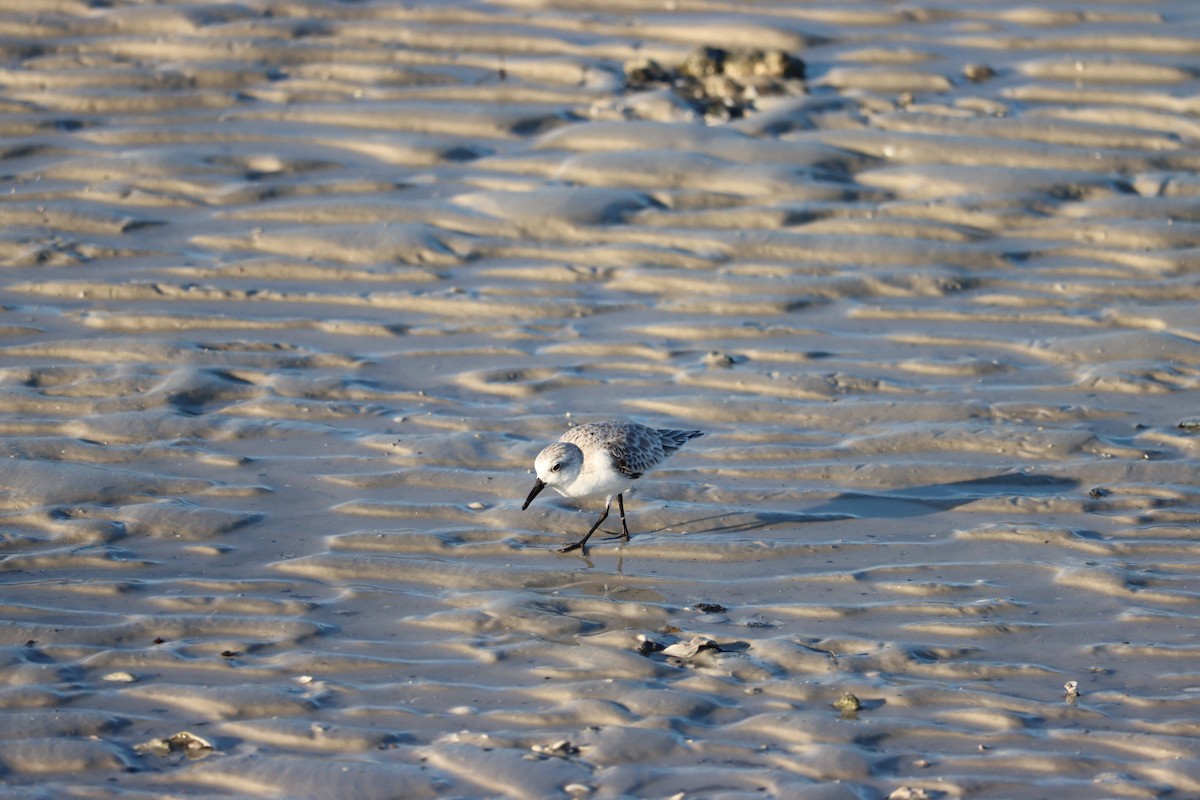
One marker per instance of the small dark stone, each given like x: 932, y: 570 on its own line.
x: 704, y: 62
x: 710, y: 608
x: 978, y: 73
x: 847, y: 702
x: 643, y: 73
x: 648, y: 646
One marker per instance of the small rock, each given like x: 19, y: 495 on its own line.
x: 560, y: 749
x: 714, y: 359
x: 646, y: 646
x: 645, y: 72
x: 847, y: 704
x: 120, y: 677
x: 978, y: 73
x: 710, y: 608
x: 703, y: 62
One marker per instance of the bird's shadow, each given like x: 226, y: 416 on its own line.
x: 914, y: 501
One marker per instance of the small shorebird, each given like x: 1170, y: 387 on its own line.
x: 603, y: 459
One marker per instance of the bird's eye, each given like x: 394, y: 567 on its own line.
x: 556, y: 467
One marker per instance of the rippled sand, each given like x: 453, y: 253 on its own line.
x: 294, y: 291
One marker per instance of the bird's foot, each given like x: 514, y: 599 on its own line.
x: 568, y: 548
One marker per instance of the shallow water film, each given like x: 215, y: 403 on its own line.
x: 294, y: 291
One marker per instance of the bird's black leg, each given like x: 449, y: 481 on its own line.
x: 624, y: 534
x: 583, y: 541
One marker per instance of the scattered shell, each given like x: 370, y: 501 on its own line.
x: 560, y: 749
x: 909, y: 793
x: 1072, y: 689
x: 691, y: 647
x: 1190, y: 424
x: 476, y: 506
x: 189, y: 744
x: 120, y: 677
x: 208, y: 549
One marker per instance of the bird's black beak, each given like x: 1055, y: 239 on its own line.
x: 537, y: 487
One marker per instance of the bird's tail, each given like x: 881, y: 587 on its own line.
x: 673, y: 440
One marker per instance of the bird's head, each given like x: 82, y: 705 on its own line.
x: 557, y: 465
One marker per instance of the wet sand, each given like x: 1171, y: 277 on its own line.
x: 293, y: 293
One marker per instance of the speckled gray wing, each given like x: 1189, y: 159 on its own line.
x: 673, y: 440
x: 635, y: 449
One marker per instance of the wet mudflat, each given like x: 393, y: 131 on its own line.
x: 293, y: 293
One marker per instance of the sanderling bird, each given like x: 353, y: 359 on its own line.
x: 603, y: 459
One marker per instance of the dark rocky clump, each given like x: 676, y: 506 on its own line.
x: 721, y: 84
